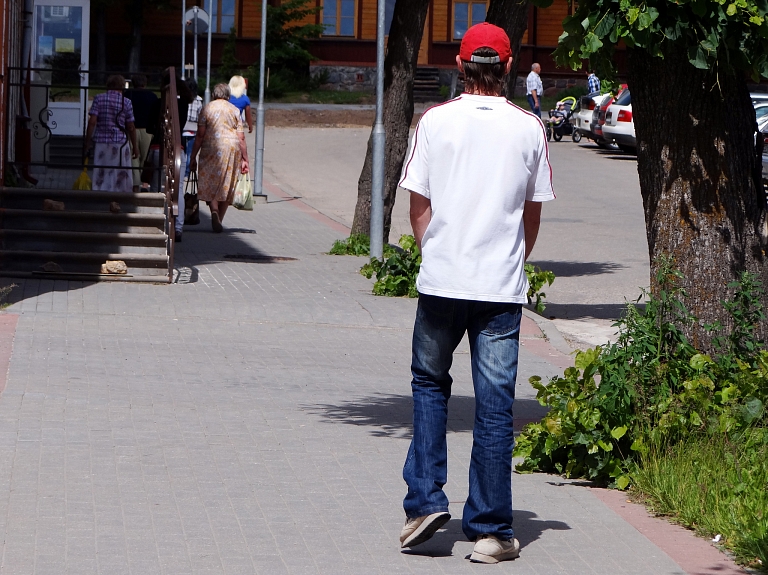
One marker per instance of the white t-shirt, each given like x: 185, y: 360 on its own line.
x: 477, y: 159
x: 533, y: 82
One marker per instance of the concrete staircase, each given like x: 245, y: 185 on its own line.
x: 65, y: 150
x: 40, y: 239
x: 426, y: 85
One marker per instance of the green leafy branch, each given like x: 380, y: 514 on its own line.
x: 731, y: 34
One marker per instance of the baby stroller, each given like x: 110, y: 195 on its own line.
x: 559, y: 122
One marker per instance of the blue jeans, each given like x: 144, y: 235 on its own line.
x: 189, y: 145
x: 536, y: 110
x: 493, y: 330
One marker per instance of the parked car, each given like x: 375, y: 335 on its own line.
x: 762, y: 126
x: 761, y: 109
x: 598, y: 120
x: 758, y: 97
x: 582, y: 115
x: 619, y: 127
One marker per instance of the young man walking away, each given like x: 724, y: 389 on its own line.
x: 477, y: 172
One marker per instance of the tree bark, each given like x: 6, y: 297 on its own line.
x: 399, y: 69
x: 700, y: 179
x: 136, y: 19
x: 512, y: 17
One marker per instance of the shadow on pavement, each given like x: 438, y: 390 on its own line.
x: 611, y: 311
x: 577, y: 269
x: 392, y: 415
x: 527, y: 525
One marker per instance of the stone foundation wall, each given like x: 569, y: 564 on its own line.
x: 345, y: 78
x: 363, y: 79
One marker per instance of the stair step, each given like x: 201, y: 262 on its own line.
x: 85, y: 277
x: 153, y: 199
x: 139, y: 260
x: 131, y: 218
x: 116, y: 238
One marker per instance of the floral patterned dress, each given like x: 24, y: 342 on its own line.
x: 219, y: 160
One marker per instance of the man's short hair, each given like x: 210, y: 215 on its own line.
x: 139, y: 81
x: 484, y: 78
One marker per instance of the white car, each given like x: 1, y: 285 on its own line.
x: 583, y: 116
x: 619, y: 126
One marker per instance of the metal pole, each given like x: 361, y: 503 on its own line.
x: 194, y: 31
x: 379, y: 140
x: 183, y: 39
x: 258, y: 171
x: 208, y: 70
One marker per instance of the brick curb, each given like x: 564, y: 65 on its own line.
x: 695, y: 555
x: 8, y: 322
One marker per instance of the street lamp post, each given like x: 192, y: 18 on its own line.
x: 379, y: 141
x: 184, y: 39
x: 258, y: 172
x: 208, y: 70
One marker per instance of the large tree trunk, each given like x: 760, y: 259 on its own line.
x: 136, y: 19
x: 699, y: 170
x: 512, y: 16
x: 399, y: 69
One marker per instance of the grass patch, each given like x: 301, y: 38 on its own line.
x: 715, y: 485
x: 5, y: 291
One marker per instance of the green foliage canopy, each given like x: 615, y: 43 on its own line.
x: 722, y: 35
x: 287, y: 37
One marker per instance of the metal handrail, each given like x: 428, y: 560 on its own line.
x: 172, y: 151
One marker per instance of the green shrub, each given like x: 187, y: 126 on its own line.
x: 396, y: 274
x: 230, y: 65
x: 654, y: 388
x: 536, y: 280
x: 357, y: 245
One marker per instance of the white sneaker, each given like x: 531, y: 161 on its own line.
x: 490, y: 549
x: 420, y: 529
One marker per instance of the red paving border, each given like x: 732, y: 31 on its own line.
x: 534, y: 341
x: 306, y: 208
x: 695, y: 555
x: 8, y: 323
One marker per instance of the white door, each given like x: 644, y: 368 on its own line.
x: 62, y: 29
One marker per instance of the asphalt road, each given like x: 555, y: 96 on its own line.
x: 592, y: 236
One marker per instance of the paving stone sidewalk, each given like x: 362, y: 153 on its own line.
x: 252, y: 417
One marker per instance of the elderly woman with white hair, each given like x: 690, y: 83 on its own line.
x: 223, y: 155
x: 239, y: 99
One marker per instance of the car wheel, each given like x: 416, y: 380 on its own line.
x: 627, y: 149
x: 603, y: 144
x: 558, y: 137
x: 576, y: 136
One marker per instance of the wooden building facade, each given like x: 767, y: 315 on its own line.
x: 349, y: 32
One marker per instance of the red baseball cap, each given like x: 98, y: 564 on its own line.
x: 485, y: 35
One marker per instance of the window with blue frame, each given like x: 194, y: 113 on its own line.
x: 389, y: 12
x: 222, y: 14
x: 339, y: 18
x: 465, y: 15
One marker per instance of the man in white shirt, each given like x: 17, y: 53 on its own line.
x: 534, y: 89
x: 478, y: 170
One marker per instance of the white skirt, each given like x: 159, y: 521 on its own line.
x: 112, y: 179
